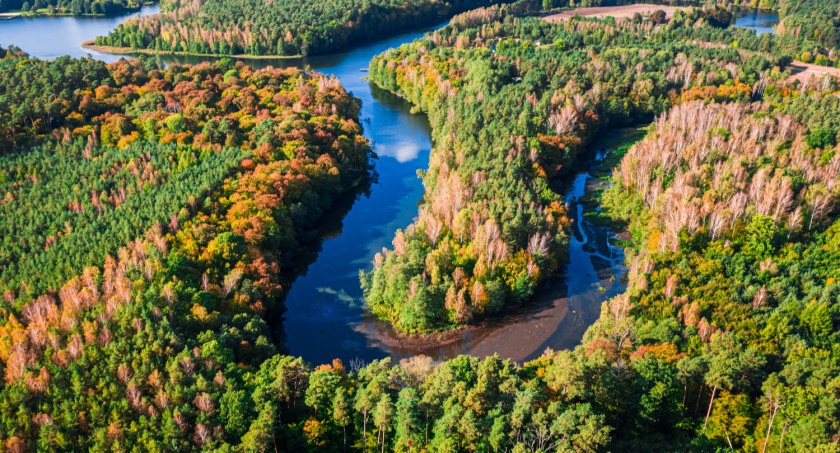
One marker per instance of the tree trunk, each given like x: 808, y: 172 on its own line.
x: 782, y: 438
x: 697, y: 403
x: 427, y: 427
x: 769, y: 429
x: 709, y: 411
x: 364, y: 427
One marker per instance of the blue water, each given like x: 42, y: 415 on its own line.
x: 760, y: 21
x: 51, y: 37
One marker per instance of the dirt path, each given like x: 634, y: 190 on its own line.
x: 803, y: 72
x: 618, y: 12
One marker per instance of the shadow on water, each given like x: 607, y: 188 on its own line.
x: 331, y: 225
x: 325, y: 303
x: 323, y: 306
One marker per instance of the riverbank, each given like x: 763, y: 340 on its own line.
x: 49, y: 37
x: 91, y: 44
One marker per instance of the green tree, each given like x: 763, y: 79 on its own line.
x: 731, y: 420
x: 407, y: 421
x: 730, y: 365
x: 260, y: 436
x: 320, y: 392
x: 579, y: 428
x: 236, y: 412
x: 341, y: 412
x: 382, y: 417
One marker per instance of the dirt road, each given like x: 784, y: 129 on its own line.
x: 618, y: 12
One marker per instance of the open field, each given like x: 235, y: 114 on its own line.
x: 618, y: 12
x: 804, y: 71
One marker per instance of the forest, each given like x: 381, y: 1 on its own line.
x: 153, y: 219
x: 280, y: 27
x: 101, y: 153
x: 215, y: 174
x: 730, y: 316
x: 814, y: 20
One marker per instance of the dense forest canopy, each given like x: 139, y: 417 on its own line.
x: 211, y: 177
x: 733, y: 213
x: 280, y: 27
x: 731, y: 313
x: 100, y: 153
x: 153, y: 218
x: 808, y: 30
x: 814, y: 20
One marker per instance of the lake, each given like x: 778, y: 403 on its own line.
x: 51, y: 37
x: 760, y: 21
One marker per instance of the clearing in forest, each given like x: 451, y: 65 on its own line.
x: 804, y: 71
x: 618, y: 12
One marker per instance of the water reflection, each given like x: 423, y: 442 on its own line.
x: 52, y: 37
x: 760, y: 21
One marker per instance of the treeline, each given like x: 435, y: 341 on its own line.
x: 281, y: 27
x: 99, y: 153
x: 512, y: 102
x: 725, y: 340
x: 74, y: 7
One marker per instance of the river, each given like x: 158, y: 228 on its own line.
x: 324, y: 316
